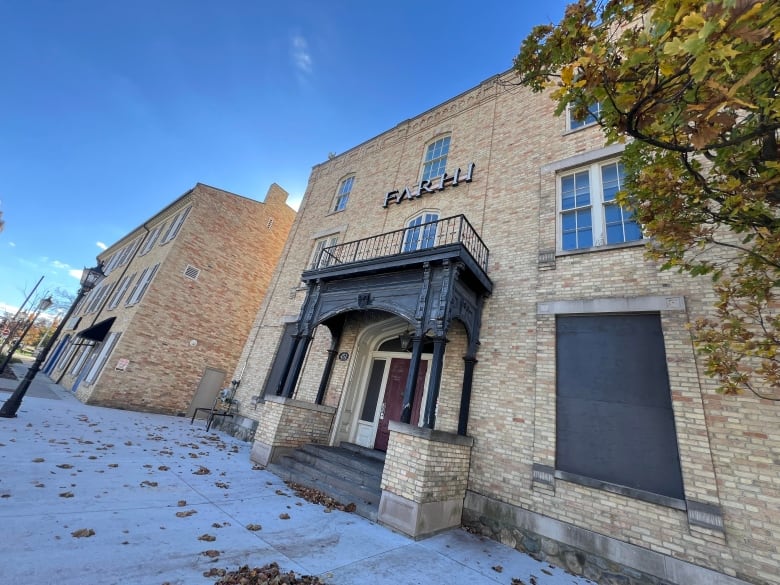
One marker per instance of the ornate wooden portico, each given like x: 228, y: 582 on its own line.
x: 429, y: 276
x: 428, y: 287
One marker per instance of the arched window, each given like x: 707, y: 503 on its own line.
x: 342, y: 195
x: 435, y: 162
x: 421, y: 232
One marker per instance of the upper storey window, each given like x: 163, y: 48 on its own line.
x: 573, y: 123
x: 436, y: 159
x: 421, y: 232
x: 175, y: 225
x: 589, y: 213
x: 342, y: 196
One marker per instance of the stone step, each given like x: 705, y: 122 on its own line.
x: 346, y: 475
x: 339, y: 477
x: 344, y: 462
x: 367, y: 508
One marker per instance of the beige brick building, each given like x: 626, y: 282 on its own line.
x: 550, y: 396
x: 163, y: 331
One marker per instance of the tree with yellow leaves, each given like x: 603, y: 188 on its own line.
x: 692, y: 87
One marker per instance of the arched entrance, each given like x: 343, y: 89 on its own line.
x: 382, y: 391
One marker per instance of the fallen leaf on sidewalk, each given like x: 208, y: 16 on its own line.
x: 182, y: 503
x: 83, y: 533
x: 38, y: 460
x: 284, y: 516
x: 65, y: 466
x: 207, y: 537
x: 186, y: 514
x: 149, y: 483
x: 498, y: 568
x: 211, y: 553
x: 254, y: 527
x: 66, y: 495
x: 266, y: 575
x: 201, y: 471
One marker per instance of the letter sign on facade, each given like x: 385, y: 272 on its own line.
x: 426, y: 186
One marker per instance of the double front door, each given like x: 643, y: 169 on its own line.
x: 384, y: 399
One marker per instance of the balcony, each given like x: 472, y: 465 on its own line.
x: 452, y: 238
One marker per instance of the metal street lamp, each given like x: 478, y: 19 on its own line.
x: 43, y: 305
x: 89, y: 278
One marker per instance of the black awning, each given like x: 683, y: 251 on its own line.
x: 98, y: 331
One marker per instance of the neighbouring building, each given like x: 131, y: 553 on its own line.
x: 164, y: 329
x: 463, y: 293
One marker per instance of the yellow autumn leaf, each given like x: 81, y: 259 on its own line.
x: 567, y: 74
x: 694, y: 21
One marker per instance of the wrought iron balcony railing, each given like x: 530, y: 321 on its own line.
x: 425, y: 236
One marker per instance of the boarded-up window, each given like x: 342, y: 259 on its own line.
x: 614, y: 412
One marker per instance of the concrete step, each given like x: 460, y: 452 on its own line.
x: 342, y: 462
x: 347, y: 475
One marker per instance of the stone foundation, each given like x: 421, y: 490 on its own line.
x: 424, y: 480
x: 287, y: 424
x: 582, y: 552
x: 240, y: 427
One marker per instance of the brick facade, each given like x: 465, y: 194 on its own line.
x: 197, y: 309
x: 727, y: 522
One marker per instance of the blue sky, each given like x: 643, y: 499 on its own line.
x: 109, y: 110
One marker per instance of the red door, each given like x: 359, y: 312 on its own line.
x: 394, y: 396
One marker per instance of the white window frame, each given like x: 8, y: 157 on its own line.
x: 66, y: 355
x: 97, y: 299
x: 573, y: 125
x: 421, y: 236
x: 120, y: 291
x: 151, y: 239
x: 105, y: 350
x: 435, y: 161
x: 175, y: 226
x: 141, y: 285
x: 319, y: 245
x: 597, y: 207
x: 76, y: 369
x: 342, y: 193
x: 109, y: 266
x: 129, y: 251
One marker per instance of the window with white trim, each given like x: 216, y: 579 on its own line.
x: 97, y: 299
x: 573, y: 123
x: 342, y: 195
x: 109, y: 265
x: 121, y: 289
x: 129, y: 250
x: 589, y: 214
x: 175, y: 226
x: 151, y: 238
x: 67, y: 355
x: 320, y: 259
x: 81, y: 359
x: 143, y: 283
x: 435, y: 162
x: 105, y: 350
x: 421, y: 232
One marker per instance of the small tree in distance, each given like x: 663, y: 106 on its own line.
x: 692, y: 87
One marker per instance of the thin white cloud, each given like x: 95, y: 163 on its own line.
x: 300, y: 55
x: 12, y: 244
x: 101, y: 245
x: 75, y: 273
x: 60, y: 265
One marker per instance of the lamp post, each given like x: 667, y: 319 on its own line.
x: 89, y: 278
x: 42, y: 306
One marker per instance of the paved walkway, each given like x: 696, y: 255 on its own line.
x: 92, y: 495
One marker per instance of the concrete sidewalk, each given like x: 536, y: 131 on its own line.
x: 95, y: 495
